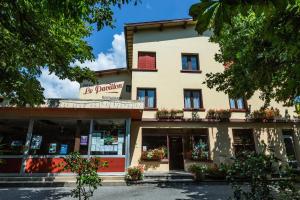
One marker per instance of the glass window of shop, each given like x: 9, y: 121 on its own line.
x: 59, y: 137
x: 13, y: 136
x: 108, y: 137
x: 196, y: 144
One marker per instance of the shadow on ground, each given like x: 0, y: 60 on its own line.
x: 34, y: 193
x: 200, y: 191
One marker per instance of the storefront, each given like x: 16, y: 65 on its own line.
x: 34, y: 141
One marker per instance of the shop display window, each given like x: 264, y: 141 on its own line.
x: 13, y: 136
x: 108, y: 137
x: 243, y: 140
x: 59, y: 137
x: 154, y: 147
x: 197, y: 145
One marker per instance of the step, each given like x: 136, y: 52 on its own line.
x: 168, y: 176
x: 57, y: 181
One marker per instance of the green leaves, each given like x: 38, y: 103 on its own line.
x: 46, y: 34
x: 264, y: 54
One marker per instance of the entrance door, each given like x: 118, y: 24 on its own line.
x: 176, y: 153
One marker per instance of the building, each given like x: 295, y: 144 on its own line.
x: 124, y: 119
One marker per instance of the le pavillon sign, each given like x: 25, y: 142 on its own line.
x: 111, y: 90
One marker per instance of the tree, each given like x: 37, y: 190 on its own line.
x: 261, y: 45
x: 47, y: 33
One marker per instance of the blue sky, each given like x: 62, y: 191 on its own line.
x: 146, y: 10
x: 109, y: 44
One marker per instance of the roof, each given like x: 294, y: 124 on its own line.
x: 131, y: 28
x: 112, y: 71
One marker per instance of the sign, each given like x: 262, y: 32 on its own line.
x: 36, y: 141
x: 52, y: 148
x: 63, y: 149
x: 84, y: 140
x: 103, y: 91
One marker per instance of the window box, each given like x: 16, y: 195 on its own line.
x: 154, y: 154
x: 221, y: 115
x: 173, y: 114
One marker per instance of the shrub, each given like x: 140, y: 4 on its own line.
x: 135, y: 173
x: 198, y: 170
x: 217, y: 172
x: 87, y: 179
x: 256, y: 169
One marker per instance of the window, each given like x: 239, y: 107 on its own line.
x: 193, y: 99
x: 154, y: 147
x: 108, y: 137
x: 289, y: 147
x: 59, y: 137
x: 238, y: 104
x: 128, y: 88
x: 13, y: 136
x: 147, y: 60
x: 190, y: 62
x: 243, y: 140
x: 148, y: 96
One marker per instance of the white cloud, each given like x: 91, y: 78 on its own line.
x: 57, y: 88
x: 114, y: 58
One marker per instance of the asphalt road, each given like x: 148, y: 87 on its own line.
x: 139, y: 192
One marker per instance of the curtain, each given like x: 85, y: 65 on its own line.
x: 196, y: 99
x: 187, y: 100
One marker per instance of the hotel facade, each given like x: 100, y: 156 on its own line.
x: 156, y: 112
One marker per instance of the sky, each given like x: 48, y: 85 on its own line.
x: 109, y: 44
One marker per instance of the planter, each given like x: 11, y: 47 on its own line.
x: 199, y: 176
x: 178, y: 116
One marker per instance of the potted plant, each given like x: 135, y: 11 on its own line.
x: 135, y: 173
x: 176, y: 114
x: 223, y: 115
x: 271, y: 114
x: 211, y: 114
x: 198, y: 171
x: 258, y: 115
x: 163, y: 114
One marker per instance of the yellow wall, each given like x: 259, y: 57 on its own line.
x: 169, y: 82
x: 220, y: 140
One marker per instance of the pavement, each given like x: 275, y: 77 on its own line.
x: 134, y: 192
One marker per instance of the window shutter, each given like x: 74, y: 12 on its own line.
x: 146, y: 60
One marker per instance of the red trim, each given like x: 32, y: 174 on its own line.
x: 191, y: 109
x: 54, y: 165
x: 144, y: 70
